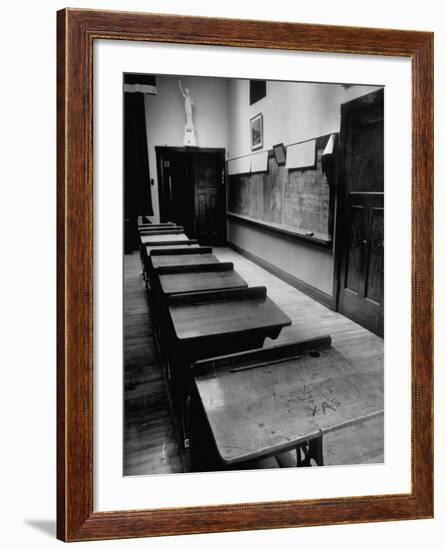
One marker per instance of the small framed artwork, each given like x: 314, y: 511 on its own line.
x: 256, y: 132
x: 280, y: 154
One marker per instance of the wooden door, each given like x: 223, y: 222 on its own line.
x: 360, y: 227
x: 192, y: 191
x: 180, y: 191
x: 209, y: 219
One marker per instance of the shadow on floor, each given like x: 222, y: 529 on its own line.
x: 46, y: 526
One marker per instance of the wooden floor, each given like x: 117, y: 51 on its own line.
x: 149, y: 441
x: 150, y: 446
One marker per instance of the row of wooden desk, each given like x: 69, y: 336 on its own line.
x: 236, y: 403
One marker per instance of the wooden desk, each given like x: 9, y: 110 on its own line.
x: 176, y: 238
x: 225, y: 319
x: 172, y: 280
x: 170, y: 230
x: 160, y: 241
x: 166, y: 224
x: 158, y: 248
x: 262, y: 403
x: 200, y: 278
x: 176, y: 262
x: 169, y: 248
x: 185, y: 248
x: 189, y: 259
x: 206, y: 324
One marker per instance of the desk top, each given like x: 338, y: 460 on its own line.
x: 263, y: 410
x: 165, y: 224
x: 162, y: 231
x: 164, y: 239
x: 199, y: 280
x: 167, y: 260
x: 224, y: 313
x: 168, y: 247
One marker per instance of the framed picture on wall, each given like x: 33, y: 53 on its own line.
x: 256, y: 132
x: 235, y: 392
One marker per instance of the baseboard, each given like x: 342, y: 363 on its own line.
x: 304, y: 287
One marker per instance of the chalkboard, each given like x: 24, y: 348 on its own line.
x: 298, y: 200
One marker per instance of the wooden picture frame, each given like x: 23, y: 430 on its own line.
x: 77, y: 31
x: 256, y: 132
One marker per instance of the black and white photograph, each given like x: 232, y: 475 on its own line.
x: 253, y: 274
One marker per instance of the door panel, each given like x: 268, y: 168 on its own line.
x: 208, y: 170
x: 354, y: 251
x: 180, y: 205
x: 367, y: 159
x: 360, y: 225
x: 374, y: 280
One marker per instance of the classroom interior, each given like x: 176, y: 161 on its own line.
x: 253, y: 274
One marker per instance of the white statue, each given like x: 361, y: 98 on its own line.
x: 189, y: 128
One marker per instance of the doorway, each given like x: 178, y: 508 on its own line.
x: 360, y: 214
x: 191, y: 185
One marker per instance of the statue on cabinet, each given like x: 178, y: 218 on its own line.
x: 189, y: 128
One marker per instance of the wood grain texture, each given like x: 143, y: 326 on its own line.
x: 173, y: 230
x: 199, y: 280
x: 77, y: 30
x: 176, y: 260
x: 224, y: 313
x: 170, y: 249
x: 288, y: 200
x: 149, y: 441
x: 359, y: 444
x: 165, y: 237
x: 261, y: 410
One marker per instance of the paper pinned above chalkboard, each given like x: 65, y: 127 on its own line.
x: 239, y: 166
x: 329, y: 149
x: 259, y: 162
x: 301, y: 155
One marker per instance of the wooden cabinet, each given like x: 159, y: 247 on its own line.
x: 192, y: 191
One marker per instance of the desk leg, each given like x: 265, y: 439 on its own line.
x: 312, y: 449
x: 179, y: 383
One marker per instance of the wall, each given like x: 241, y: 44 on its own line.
x: 307, y: 263
x: 292, y: 112
x: 166, y: 118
